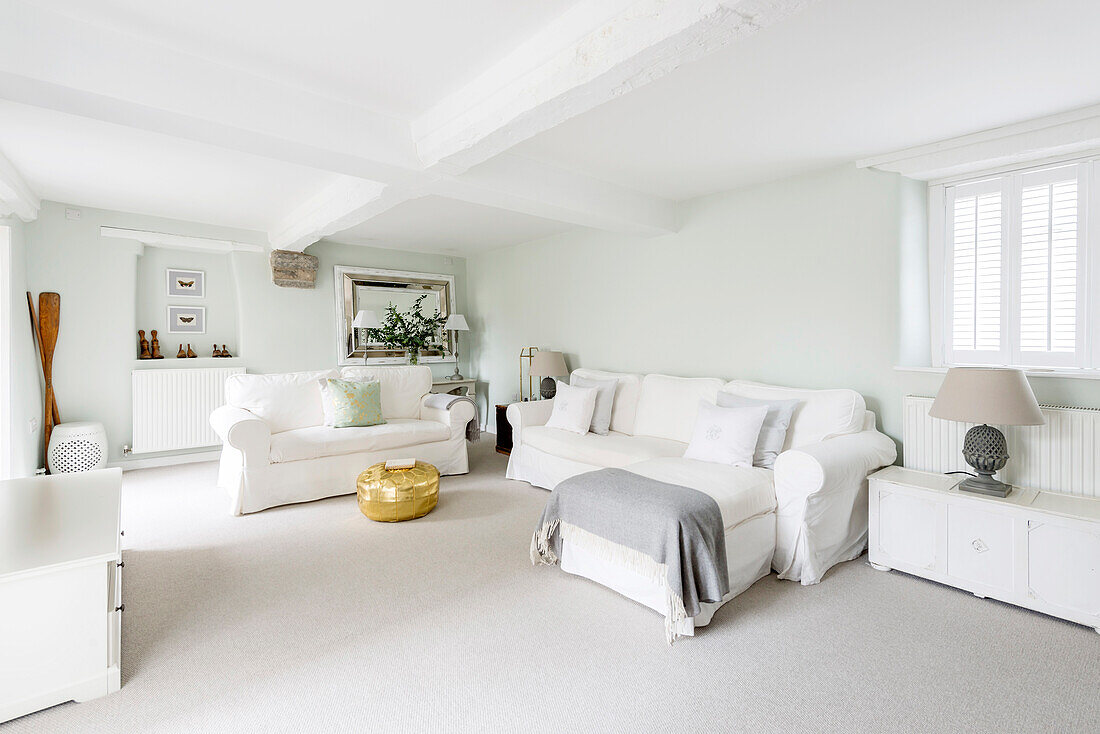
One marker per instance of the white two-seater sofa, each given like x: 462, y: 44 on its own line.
x: 277, y: 449
x: 815, y: 497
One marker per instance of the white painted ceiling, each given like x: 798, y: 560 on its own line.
x: 436, y: 224
x: 392, y: 56
x: 842, y: 80
x: 95, y: 164
x: 834, y: 82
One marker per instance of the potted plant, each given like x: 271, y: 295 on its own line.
x: 410, y: 330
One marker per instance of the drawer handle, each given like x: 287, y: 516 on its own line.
x: 979, y: 545
x: 120, y: 608
x: 121, y: 564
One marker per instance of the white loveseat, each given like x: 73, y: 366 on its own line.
x: 277, y: 449
x: 819, y: 480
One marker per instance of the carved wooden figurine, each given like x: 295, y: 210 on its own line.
x: 225, y: 352
x: 156, y: 346
x: 143, y: 343
x: 191, y: 352
x: 216, y: 352
x: 181, y: 354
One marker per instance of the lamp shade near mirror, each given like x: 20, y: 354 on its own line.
x: 366, y: 320
x: 548, y: 365
x: 456, y: 322
x: 985, y: 395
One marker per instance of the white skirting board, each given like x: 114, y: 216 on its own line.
x: 195, y: 457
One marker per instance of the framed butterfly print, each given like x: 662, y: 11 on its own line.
x: 186, y: 283
x: 186, y: 320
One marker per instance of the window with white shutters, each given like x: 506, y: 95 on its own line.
x: 1015, y: 250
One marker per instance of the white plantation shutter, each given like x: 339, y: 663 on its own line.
x: 977, y: 254
x: 1051, y: 267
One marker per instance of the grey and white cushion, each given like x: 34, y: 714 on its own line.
x: 605, y: 399
x: 573, y: 407
x: 774, y: 431
x: 726, y: 435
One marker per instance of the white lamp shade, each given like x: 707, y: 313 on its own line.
x: 987, y: 395
x: 548, y: 364
x: 456, y: 322
x: 366, y: 320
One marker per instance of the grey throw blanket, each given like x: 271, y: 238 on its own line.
x: 670, y: 534
x: 444, y: 401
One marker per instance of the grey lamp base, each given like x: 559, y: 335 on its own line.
x: 455, y: 376
x: 987, y: 485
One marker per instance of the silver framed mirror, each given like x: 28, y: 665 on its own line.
x: 374, y: 289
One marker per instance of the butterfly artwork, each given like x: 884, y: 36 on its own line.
x: 186, y: 283
x: 186, y: 320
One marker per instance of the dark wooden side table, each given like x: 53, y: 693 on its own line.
x: 504, y: 431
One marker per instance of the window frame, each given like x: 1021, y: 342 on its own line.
x: 941, y: 197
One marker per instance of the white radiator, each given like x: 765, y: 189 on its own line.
x: 1062, y: 456
x: 172, y: 407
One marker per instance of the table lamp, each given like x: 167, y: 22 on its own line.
x: 985, y: 395
x: 548, y: 365
x: 456, y: 322
x: 366, y: 320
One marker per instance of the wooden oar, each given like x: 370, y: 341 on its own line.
x: 34, y: 329
x: 49, y: 311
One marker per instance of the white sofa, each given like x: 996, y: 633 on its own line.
x: 819, y: 480
x: 277, y: 450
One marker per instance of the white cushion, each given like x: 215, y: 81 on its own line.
x: 573, y: 408
x: 319, y: 441
x: 625, y: 406
x: 403, y: 386
x: 283, y: 401
x: 605, y: 399
x: 742, y: 493
x: 774, y: 431
x: 726, y: 435
x: 821, y: 415
x: 612, y: 450
x: 668, y: 405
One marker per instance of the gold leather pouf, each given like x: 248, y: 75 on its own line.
x: 401, y: 494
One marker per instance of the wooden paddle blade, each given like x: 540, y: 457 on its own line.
x: 49, y: 312
x: 42, y: 357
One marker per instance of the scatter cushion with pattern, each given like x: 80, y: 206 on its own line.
x: 726, y: 435
x: 355, y: 403
x: 573, y: 408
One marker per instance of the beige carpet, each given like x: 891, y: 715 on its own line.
x: 313, y: 618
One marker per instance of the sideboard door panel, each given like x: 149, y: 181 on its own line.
x: 907, y: 529
x: 1064, y: 566
x: 979, y: 547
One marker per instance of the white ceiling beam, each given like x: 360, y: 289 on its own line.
x: 531, y: 187
x: 595, y: 52
x: 16, y: 197
x: 1063, y: 134
x: 340, y: 206
x: 178, y: 241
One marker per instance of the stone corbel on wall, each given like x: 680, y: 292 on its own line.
x: 293, y: 269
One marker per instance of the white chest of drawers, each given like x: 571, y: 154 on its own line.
x: 1039, y: 550
x: 60, y: 590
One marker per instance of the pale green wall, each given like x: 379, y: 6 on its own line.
x: 220, y: 300
x: 280, y: 329
x: 26, y: 370
x: 813, y: 281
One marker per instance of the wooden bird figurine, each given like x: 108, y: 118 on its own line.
x: 225, y: 352
x: 191, y: 352
x: 156, y: 346
x: 216, y: 352
x: 143, y: 344
x: 181, y: 354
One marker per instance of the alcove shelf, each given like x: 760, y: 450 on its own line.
x: 169, y: 363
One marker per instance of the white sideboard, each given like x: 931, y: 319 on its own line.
x: 60, y: 590
x: 1039, y: 550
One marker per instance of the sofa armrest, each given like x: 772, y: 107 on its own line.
x: 821, y: 496
x: 527, y: 414
x: 242, y: 430
x: 455, y: 417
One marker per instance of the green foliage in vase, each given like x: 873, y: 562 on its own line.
x: 410, y: 330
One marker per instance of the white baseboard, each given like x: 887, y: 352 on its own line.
x: 173, y: 460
